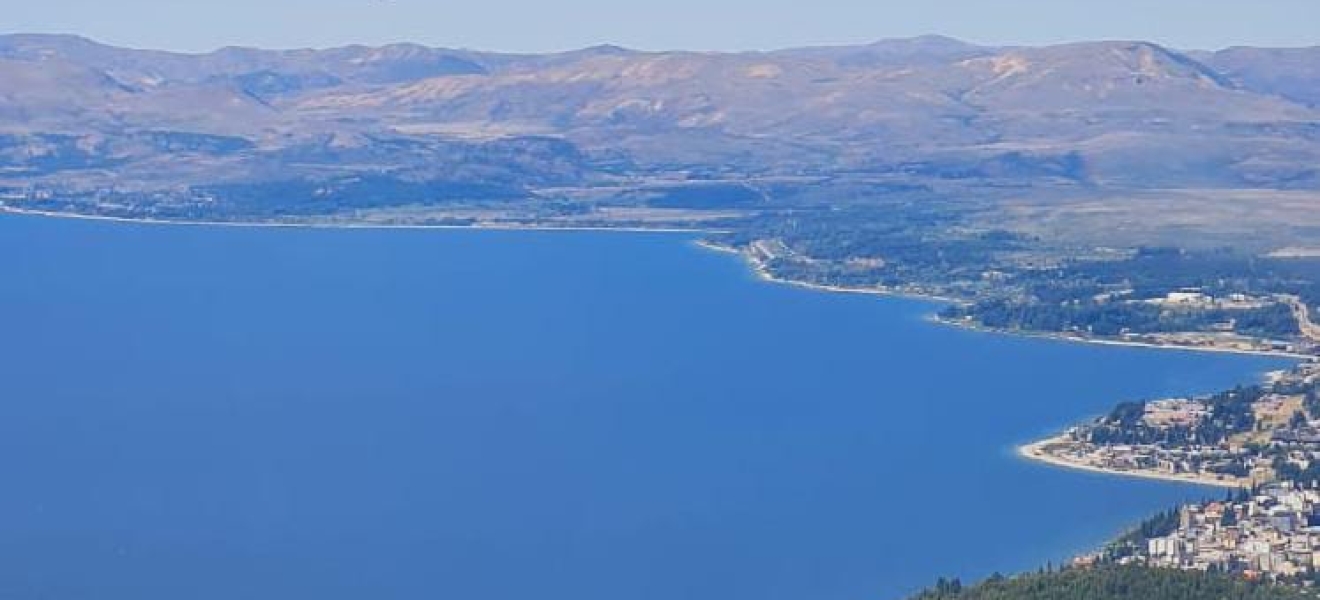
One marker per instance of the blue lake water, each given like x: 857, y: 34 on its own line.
x: 219, y: 413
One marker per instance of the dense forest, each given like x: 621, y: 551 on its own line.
x: 1104, y: 297
x: 1113, y: 583
x: 1274, y: 321
x: 1230, y: 413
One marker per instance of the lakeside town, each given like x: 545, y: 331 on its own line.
x: 1240, y: 438
x: 1262, y: 441
x: 1168, y: 438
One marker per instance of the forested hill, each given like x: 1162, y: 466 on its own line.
x: 1113, y: 583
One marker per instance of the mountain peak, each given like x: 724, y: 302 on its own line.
x: 1109, y: 61
x: 607, y: 50
x: 927, y: 41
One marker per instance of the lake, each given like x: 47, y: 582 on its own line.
x: 274, y: 413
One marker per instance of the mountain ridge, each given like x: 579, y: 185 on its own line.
x: 925, y: 111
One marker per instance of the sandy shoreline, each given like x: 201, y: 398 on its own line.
x: 1035, y: 451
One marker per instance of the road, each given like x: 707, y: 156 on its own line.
x: 1303, y: 313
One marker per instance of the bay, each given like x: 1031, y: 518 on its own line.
x: 222, y: 412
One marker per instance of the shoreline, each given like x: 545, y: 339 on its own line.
x: 758, y: 267
x: 1063, y: 337
x: 1035, y: 452
x: 764, y: 274
x: 55, y: 214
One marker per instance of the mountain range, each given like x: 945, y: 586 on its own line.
x: 77, y: 116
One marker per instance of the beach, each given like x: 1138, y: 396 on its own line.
x: 1037, y: 451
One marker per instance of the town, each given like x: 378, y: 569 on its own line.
x: 1273, y: 533
x: 1263, y: 441
x: 1239, y: 438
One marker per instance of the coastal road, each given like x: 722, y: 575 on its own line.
x: 1303, y: 314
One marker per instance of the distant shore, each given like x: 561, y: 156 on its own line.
x: 1035, y: 451
x: 477, y: 226
x: 764, y: 274
x: 1063, y: 337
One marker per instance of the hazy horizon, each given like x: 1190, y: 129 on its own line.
x: 492, y: 50
x: 736, y: 25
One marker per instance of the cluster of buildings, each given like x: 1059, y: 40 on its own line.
x: 1220, y: 338
x: 1214, y: 465
x: 21, y: 194
x: 1271, y: 533
x: 1274, y: 533
x: 1224, y: 464
x: 1195, y: 298
x: 1222, y: 334
x: 1282, y: 431
x: 1175, y: 412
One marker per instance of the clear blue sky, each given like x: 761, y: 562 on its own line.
x: 537, y: 25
